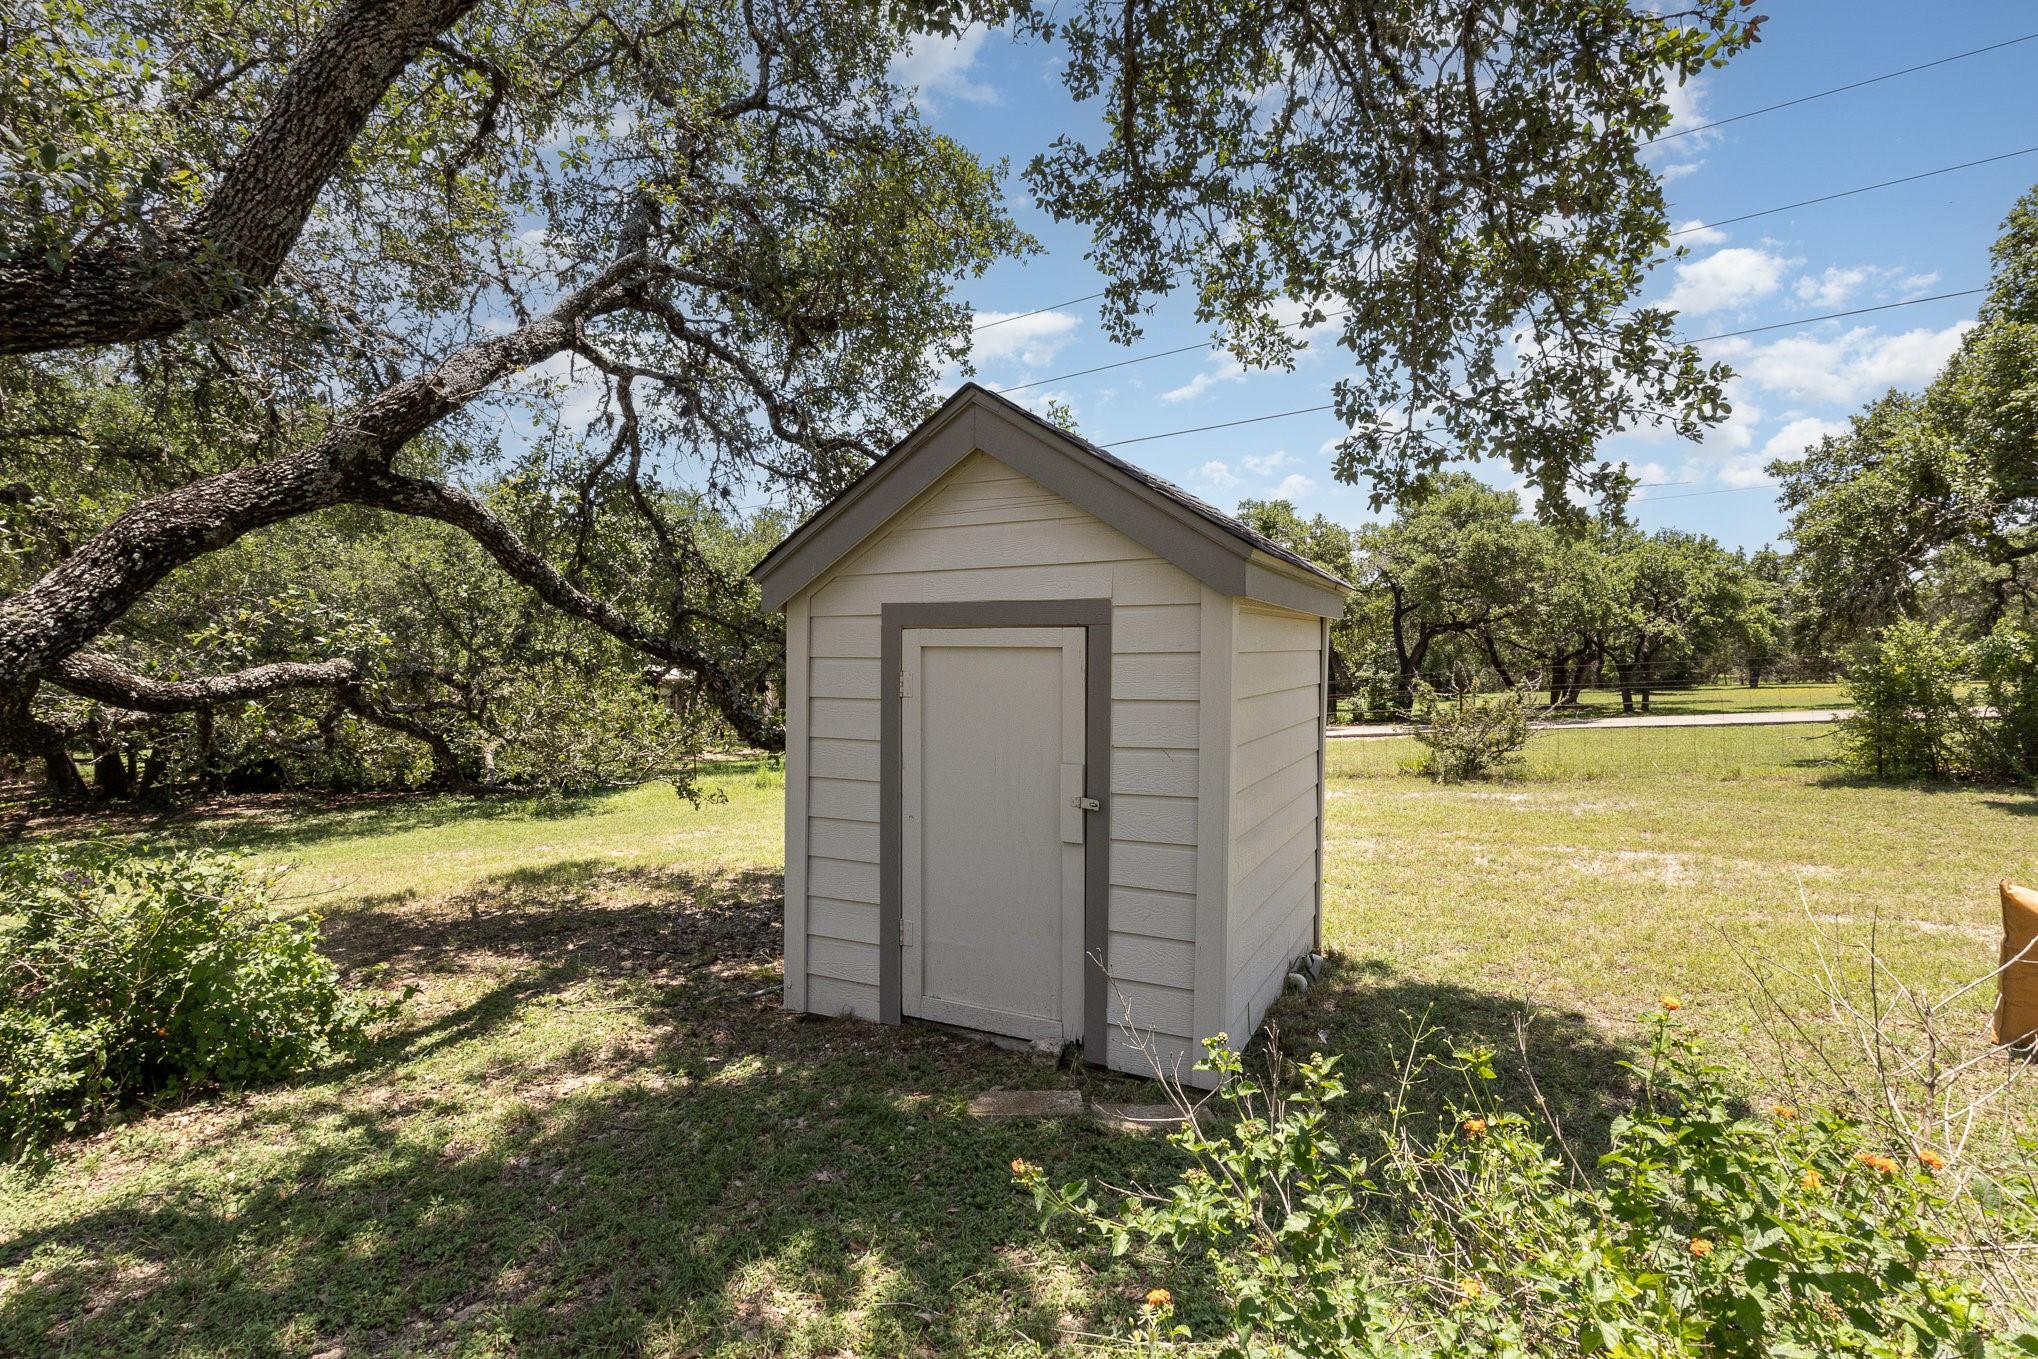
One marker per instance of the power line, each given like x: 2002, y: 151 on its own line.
x: 1849, y: 193
x: 1686, y: 132
x: 1222, y: 424
x: 1840, y: 89
x: 1703, y: 339
x: 1693, y: 495
x: 1038, y: 311
x: 1682, y: 231
x: 1162, y: 354
x: 1837, y: 315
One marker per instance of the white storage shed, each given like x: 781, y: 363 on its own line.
x: 1054, y: 745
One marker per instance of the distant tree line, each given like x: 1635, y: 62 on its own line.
x: 1461, y: 587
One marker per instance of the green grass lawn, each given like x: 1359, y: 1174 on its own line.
x: 595, y: 1132
x: 1718, y: 698
x: 1713, y: 698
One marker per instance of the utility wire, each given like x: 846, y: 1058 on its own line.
x: 1162, y: 354
x: 1037, y: 311
x: 1222, y: 424
x: 1703, y: 339
x: 1692, y: 495
x: 1849, y: 193
x: 1702, y: 127
x: 1837, y: 315
x: 1682, y: 231
x: 1840, y: 89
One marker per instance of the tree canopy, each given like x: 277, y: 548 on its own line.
x: 583, y: 286
x: 1932, y: 498
x: 1458, y: 184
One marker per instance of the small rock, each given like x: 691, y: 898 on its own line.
x: 1027, y: 1104
x: 1298, y: 983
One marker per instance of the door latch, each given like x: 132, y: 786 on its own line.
x: 1088, y: 804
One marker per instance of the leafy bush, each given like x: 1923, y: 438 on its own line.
x: 1909, y: 713
x: 1712, y: 1230
x: 1469, y: 735
x: 2005, y: 743
x: 1917, y: 717
x: 125, y: 974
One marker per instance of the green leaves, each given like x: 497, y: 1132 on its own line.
x: 130, y: 974
x: 1465, y: 178
x: 1711, y: 1230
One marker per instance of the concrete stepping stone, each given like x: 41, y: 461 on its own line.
x: 994, y: 1104
x: 1138, y: 1117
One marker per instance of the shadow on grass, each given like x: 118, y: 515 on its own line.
x: 267, y: 822
x: 2001, y: 797
x: 272, y: 821
x: 1371, y: 1016
x: 613, y: 1140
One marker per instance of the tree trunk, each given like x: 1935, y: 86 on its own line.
x: 233, y: 246
x: 23, y: 733
x: 1493, y: 659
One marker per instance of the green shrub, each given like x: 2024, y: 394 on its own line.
x: 1928, y: 705
x: 1710, y: 1230
x: 1468, y: 735
x: 2005, y: 742
x: 125, y: 974
x: 1910, y: 716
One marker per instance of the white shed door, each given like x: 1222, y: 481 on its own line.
x: 991, y: 899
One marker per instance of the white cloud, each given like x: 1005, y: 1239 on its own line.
x: 1836, y: 287
x: 1041, y: 401
x: 1725, y: 279
x: 1020, y: 338
x: 1649, y: 474
x: 1832, y: 288
x: 1680, y: 157
x: 1744, y: 469
x: 1845, y: 368
x: 1697, y: 233
x: 1687, y: 111
x: 1750, y: 467
x: 1231, y: 370
x: 1217, y: 474
x: 1294, y: 486
x: 1266, y: 464
x: 1800, y: 434
x: 573, y: 388
x: 939, y: 68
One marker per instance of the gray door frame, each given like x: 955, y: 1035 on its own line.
x: 1093, y: 615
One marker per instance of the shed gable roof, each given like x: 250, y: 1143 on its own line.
x: 1160, y: 516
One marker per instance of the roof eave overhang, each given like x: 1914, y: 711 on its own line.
x: 969, y: 422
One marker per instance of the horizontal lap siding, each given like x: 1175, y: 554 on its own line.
x: 986, y: 533
x: 1276, y: 716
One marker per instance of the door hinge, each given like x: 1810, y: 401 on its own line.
x: 905, y: 931
x: 902, y: 684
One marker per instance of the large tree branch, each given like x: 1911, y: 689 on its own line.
x: 430, y: 500
x: 79, y: 597
x: 101, y: 677
x: 238, y: 240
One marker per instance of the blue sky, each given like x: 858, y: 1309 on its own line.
x: 1003, y: 98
